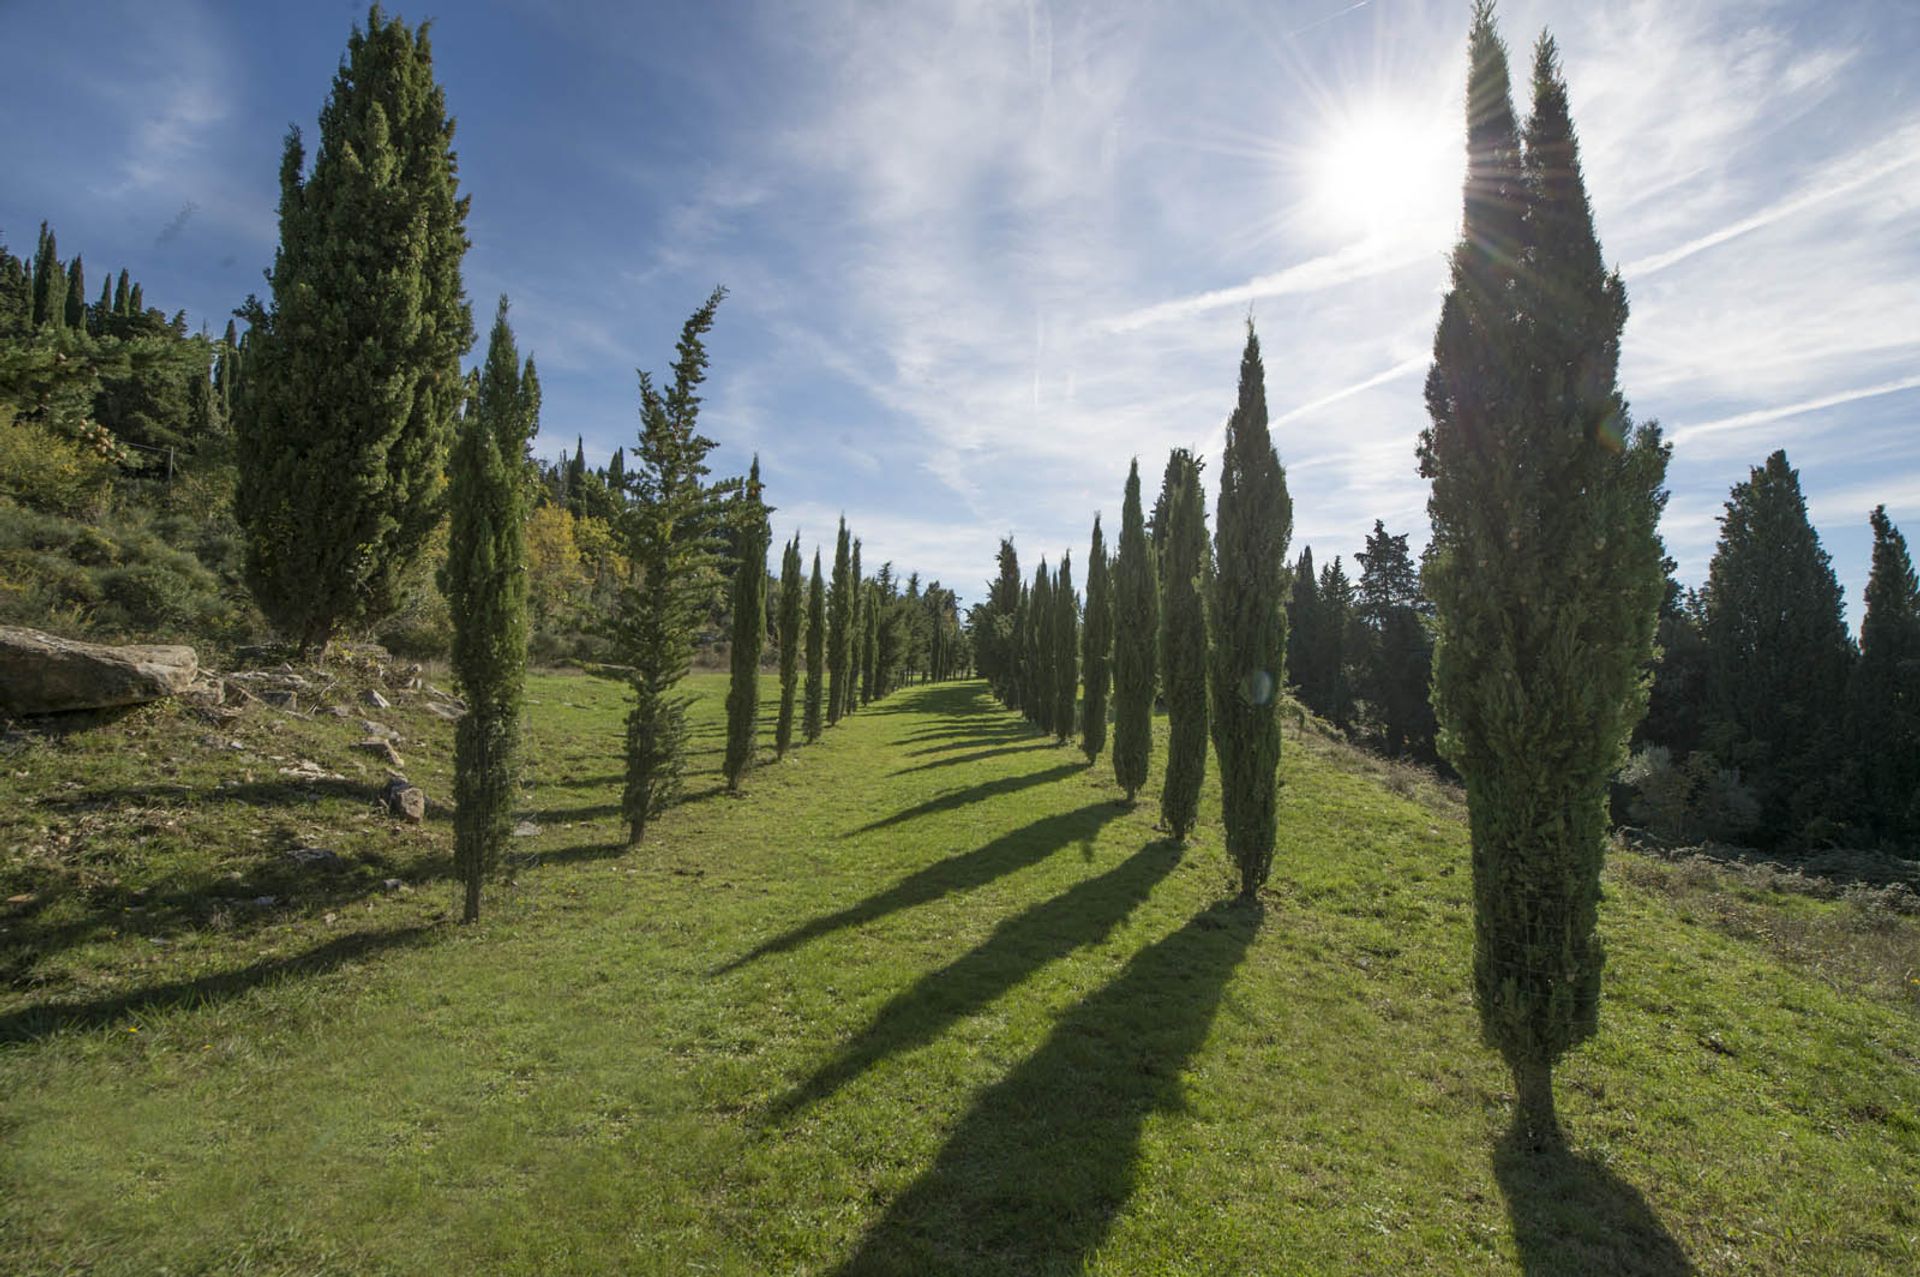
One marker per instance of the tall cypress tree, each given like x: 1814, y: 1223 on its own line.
x: 1019, y: 675
x: 1545, y: 569
x: 49, y: 282
x: 1336, y: 632
x: 995, y: 633
x: 122, y: 299
x: 1777, y: 655
x: 1886, y: 690
x: 811, y: 720
x: 1248, y: 619
x: 1097, y: 646
x: 840, y: 637
x: 671, y: 534
x: 1136, y: 611
x: 1040, y: 622
x: 790, y: 619
x: 74, y: 315
x: 857, y: 632
x: 485, y: 581
x: 1303, y: 636
x: 749, y: 629
x: 870, y: 649
x: 1183, y: 648
x: 354, y: 367
x: 1066, y: 651
x: 1396, y: 664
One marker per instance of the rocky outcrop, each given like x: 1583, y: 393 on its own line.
x: 45, y: 674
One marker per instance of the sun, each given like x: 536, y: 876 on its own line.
x: 1386, y: 172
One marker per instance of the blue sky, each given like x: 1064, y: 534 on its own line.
x: 982, y: 253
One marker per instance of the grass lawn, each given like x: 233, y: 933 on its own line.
x: 928, y: 999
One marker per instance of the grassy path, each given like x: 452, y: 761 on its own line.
x: 929, y: 1000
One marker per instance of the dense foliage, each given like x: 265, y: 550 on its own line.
x: 749, y: 627
x: 1183, y: 644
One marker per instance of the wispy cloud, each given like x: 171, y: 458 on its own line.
x: 1686, y: 434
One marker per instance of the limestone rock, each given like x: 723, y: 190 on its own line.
x: 44, y: 674
x: 405, y: 800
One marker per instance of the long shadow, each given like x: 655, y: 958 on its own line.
x: 1571, y: 1216
x: 1034, y: 1175
x: 971, y: 794
x: 33, y: 1023
x: 1028, y: 845
x: 597, y: 811
x: 1084, y: 914
x: 967, y: 738
x: 979, y: 755
x: 288, y: 791
x: 569, y: 855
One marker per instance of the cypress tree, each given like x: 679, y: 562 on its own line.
x: 791, y: 616
x: 49, y: 282
x: 137, y: 306
x: 749, y: 631
x: 354, y: 367
x: 1396, y: 663
x: 1066, y: 651
x: 816, y: 654
x: 670, y: 536
x: 485, y: 581
x: 1097, y: 646
x: 1136, y: 613
x: 103, y: 309
x: 870, y: 646
x: 1303, y: 636
x: 1886, y: 689
x: 840, y: 639
x: 1777, y: 655
x: 122, y: 305
x: 1248, y: 619
x: 1545, y: 569
x: 996, y: 655
x: 1019, y: 676
x: 76, y: 302
x: 1183, y: 649
x: 857, y: 630
x: 1043, y: 693
x: 1337, y: 626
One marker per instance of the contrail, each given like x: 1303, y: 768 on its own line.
x: 1762, y: 416
x: 1321, y: 22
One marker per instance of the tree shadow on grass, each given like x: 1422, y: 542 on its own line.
x: 33, y: 1023
x: 979, y: 755
x: 946, y: 740
x: 971, y: 794
x: 1084, y: 914
x: 580, y: 855
x: 1025, y: 846
x: 1036, y: 1172
x: 1573, y: 1216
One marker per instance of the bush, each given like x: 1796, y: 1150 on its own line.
x: 1696, y: 801
x: 46, y: 471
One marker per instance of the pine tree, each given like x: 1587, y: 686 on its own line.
x: 1097, y: 646
x: 1395, y: 665
x: 1136, y: 613
x: 791, y: 616
x: 1247, y: 616
x: 1885, y: 695
x: 670, y: 533
x: 1066, y: 651
x: 75, y: 316
x: 1777, y: 656
x: 485, y: 581
x: 49, y: 282
x: 810, y: 725
x: 749, y: 630
x: 353, y: 376
x: 995, y: 653
x: 1183, y: 649
x: 840, y: 638
x: 1544, y: 568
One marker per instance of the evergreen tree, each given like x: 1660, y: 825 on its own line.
x: 857, y: 634
x: 1097, y: 646
x: 102, y: 310
x: 1338, y: 632
x: 840, y: 638
x: 137, y: 306
x: 749, y: 630
x: 670, y: 536
x: 16, y: 294
x: 1544, y: 568
x: 791, y: 617
x: 1396, y: 663
x: 816, y: 654
x: 49, y: 282
x: 1886, y: 690
x: 1044, y: 694
x: 1777, y: 657
x: 75, y: 316
x: 1303, y: 635
x: 870, y: 646
x: 1183, y: 649
x: 1248, y: 619
x: 1676, y: 702
x: 1066, y: 651
x: 485, y: 581
x: 354, y: 368
x: 1020, y: 675
x: 995, y: 633
x: 122, y: 299
x: 1136, y: 612
x: 577, y: 479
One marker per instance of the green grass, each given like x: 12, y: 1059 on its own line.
x: 926, y: 1000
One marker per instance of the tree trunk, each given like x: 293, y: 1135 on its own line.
x: 472, y: 913
x: 1534, y: 1113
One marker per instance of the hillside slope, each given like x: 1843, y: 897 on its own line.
x: 927, y: 999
